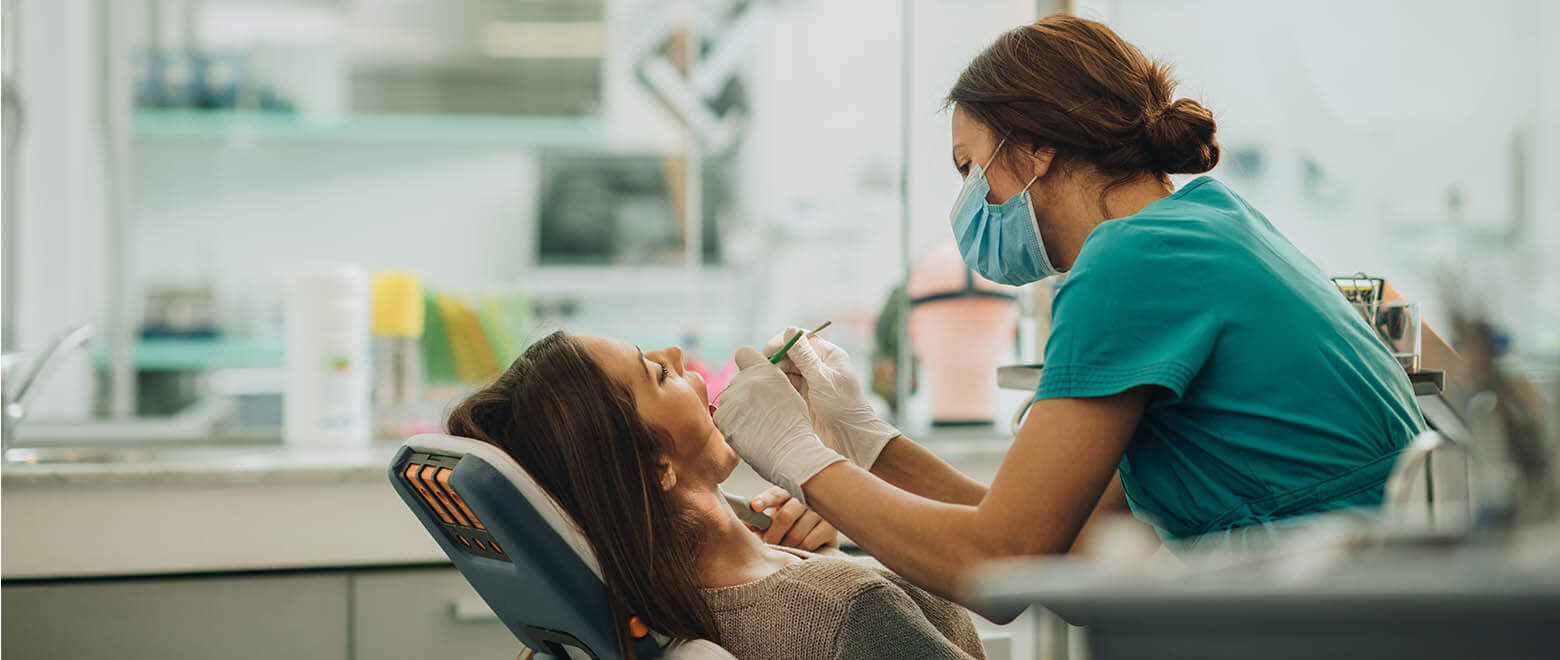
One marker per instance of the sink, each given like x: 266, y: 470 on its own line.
x: 195, y: 424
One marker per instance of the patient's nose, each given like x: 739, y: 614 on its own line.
x: 675, y: 356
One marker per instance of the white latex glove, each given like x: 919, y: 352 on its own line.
x: 841, y: 416
x: 766, y: 422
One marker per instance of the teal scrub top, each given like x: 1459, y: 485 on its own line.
x: 1272, y: 397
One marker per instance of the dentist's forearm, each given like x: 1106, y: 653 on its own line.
x: 929, y: 542
x: 914, y: 468
x: 1049, y: 484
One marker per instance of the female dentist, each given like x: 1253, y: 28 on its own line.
x: 1198, y: 363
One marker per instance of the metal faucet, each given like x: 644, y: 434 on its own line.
x: 16, y: 398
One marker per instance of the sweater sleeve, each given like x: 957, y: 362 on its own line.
x: 883, y: 622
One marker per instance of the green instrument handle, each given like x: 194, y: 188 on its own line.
x: 780, y: 354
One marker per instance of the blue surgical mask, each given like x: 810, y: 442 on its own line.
x: 1001, y: 242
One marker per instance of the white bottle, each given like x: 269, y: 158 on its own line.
x: 327, y: 397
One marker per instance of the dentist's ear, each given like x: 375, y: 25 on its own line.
x: 668, y: 474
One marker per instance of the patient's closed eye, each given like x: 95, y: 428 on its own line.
x: 663, y: 372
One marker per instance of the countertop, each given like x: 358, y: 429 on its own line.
x: 267, y: 464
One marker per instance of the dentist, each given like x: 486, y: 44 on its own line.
x: 1200, y: 369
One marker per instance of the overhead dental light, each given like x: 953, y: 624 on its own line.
x: 700, y: 82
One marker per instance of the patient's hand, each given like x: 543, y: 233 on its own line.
x: 793, y: 525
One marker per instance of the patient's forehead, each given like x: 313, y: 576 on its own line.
x: 618, y: 358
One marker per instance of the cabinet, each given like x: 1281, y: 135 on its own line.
x: 406, y: 613
x: 301, y: 617
x: 415, y: 614
x: 383, y: 614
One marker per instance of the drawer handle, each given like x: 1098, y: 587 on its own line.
x: 472, y: 610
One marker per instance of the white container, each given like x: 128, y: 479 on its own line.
x: 326, y: 402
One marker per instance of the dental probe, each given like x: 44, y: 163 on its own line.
x: 780, y: 354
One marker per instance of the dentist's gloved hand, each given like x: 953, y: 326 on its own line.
x: 766, y: 422
x: 843, y: 419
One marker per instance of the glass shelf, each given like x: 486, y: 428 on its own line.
x: 586, y: 281
x: 378, y: 128
x: 179, y: 354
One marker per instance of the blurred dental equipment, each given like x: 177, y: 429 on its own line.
x: 1396, y: 322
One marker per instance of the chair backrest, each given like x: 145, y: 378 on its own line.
x: 513, y: 543
x: 1430, y: 487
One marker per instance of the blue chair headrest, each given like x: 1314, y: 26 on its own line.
x: 511, y: 541
x: 522, y: 553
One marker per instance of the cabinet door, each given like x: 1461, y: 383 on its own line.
x: 284, y: 616
x: 424, y: 613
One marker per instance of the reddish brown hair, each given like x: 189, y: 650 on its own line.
x: 1074, y: 85
x: 579, y: 434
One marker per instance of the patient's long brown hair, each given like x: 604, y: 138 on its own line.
x: 578, y: 433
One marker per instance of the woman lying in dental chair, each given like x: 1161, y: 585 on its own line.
x: 624, y: 441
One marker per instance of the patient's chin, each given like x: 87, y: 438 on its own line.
x: 725, y: 472
x: 727, y: 460
x: 715, y: 441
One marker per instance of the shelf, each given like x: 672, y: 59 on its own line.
x: 239, y: 126
x: 608, y: 281
x: 200, y: 354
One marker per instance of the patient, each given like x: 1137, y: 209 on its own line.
x: 624, y: 441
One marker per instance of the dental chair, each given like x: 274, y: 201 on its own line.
x: 524, y: 556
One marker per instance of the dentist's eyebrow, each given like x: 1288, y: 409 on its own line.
x: 646, y: 367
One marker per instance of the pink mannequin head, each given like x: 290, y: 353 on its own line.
x: 961, y: 325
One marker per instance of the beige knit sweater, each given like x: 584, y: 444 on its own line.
x: 838, y: 607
